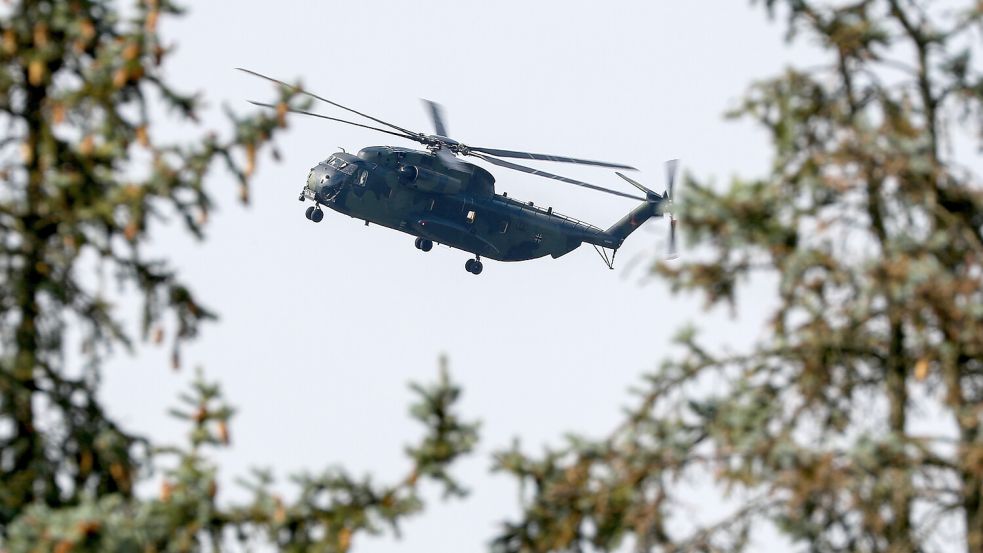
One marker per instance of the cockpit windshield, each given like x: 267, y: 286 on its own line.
x: 341, y: 165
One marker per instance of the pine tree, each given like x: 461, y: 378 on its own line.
x: 874, y: 229
x: 869, y: 220
x: 84, y: 175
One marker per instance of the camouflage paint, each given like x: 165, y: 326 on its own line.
x: 415, y: 192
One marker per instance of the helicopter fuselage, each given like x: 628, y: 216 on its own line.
x: 417, y: 193
x: 437, y: 197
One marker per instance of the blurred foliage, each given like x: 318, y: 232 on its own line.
x: 855, y: 424
x: 83, y: 176
x: 869, y: 223
x: 329, y: 509
x: 84, y: 104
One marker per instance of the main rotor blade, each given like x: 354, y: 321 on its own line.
x: 530, y: 170
x: 437, y: 115
x: 412, y: 134
x: 636, y: 184
x: 302, y: 112
x: 449, y: 159
x: 548, y: 157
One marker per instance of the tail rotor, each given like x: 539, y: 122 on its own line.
x: 663, y: 202
x: 668, y: 207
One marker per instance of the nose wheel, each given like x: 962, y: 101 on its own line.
x: 314, y: 214
x: 424, y: 244
x: 473, y: 266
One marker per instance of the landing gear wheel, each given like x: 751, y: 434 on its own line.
x: 309, y: 212
x: 469, y: 265
x: 426, y: 245
x: 317, y: 216
x: 417, y: 243
x: 473, y: 266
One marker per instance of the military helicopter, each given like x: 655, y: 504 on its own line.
x: 438, y: 198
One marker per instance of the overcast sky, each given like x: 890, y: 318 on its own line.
x: 322, y: 326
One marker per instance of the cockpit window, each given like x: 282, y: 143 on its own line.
x: 337, y: 162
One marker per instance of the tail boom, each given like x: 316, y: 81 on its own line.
x: 655, y: 205
x: 616, y: 234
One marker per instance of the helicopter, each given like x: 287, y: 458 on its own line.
x: 439, y: 198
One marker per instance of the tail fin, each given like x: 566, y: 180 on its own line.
x: 655, y: 205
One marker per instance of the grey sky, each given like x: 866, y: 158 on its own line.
x: 322, y: 326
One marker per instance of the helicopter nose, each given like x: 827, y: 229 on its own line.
x: 317, y: 177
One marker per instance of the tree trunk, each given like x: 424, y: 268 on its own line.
x: 27, y: 470
x: 973, y: 507
x: 899, y: 530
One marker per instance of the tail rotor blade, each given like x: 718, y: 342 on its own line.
x: 671, y: 177
x: 671, y: 166
x: 671, y: 254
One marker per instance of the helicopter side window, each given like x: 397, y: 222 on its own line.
x: 362, y: 178
x: 471, y: 216
x: 503, y: 227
